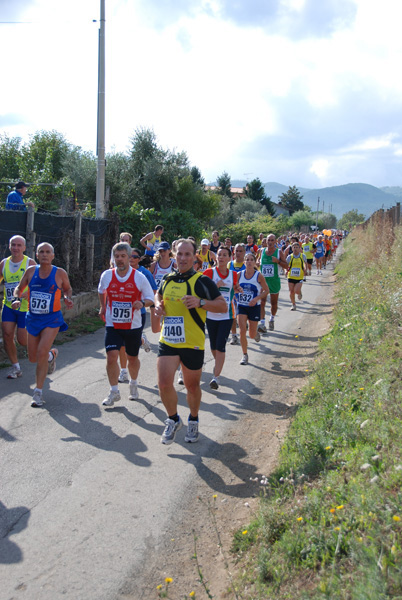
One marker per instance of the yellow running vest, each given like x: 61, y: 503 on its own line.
x: 182, y: 328
x: 11, y: 280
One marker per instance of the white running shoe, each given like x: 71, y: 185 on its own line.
x: 271, y: 325
x: 112, y: 398
x: 123, y: 377
x: 293, y: 307
x: 145, y: 343
x: 257, y: 337
x: 171, y: 428
x: 192, y: 432
x: 37, y: 399
x: 14, y: 372
x: 134, y: 395
x: 244, y: 360
x: 52, y: 363
x: 261, y: 328
x: 180, y: 379
x: 234, y: 340
x: 300, y: 296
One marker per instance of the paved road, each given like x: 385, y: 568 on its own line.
x: 87, y: 493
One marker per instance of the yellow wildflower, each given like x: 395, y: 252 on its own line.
x: 300, y: 519
x: 340, y: 507
x: 159, y: 587
x: 337, y: 529
x: 168, y: 580
x: 215, y: 496
x: 192, y: 594
x: 331, y: 510
x: 396, y: 518
x: 328, y: 448
x: 244, y: 532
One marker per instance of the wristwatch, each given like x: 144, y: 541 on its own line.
x: 202, y: 302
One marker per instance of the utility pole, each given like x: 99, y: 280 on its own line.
x: 316, y: 218
x: 100, y: 179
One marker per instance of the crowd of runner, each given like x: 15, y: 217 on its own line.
x: 188, y: 288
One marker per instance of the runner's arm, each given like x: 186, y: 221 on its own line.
x: 143, y: 241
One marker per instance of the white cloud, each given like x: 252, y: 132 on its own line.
x: 320, y: 168
x: 286, y: 90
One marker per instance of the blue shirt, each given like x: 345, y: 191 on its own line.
x: 151, y: 280
x: 15, y: 201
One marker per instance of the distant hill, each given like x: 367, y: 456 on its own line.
x: 394, y: 190
x: 366, y: 199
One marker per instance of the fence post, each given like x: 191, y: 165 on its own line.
x: 77, y: 241
x: 398, y: 213
x: 90, y: 252
x: 66, y: 250
x: 30, y: 234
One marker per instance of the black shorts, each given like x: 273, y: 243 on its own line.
x: 253, y: 312
x: 309, y: 261
x: 191, y: 359
x: 218, y: 332
x: 130, y: 338
x: 295, y: 281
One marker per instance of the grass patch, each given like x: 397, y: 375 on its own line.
x: 330, y: 519
x: 87, y: 322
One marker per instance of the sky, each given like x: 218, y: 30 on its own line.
x: 302, y: 92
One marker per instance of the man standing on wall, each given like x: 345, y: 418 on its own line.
x: 15, y: 199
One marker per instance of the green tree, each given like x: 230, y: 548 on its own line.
x: 326, y: 221
x: 247, y: 209
x: 197, y: 177
x: 255, y: 190
x: 292, y: 200
x: 224, y: 185
x: 41, y: 163
x: 10, y: 152
x: 350, y: 219
x: 300, y: 218
x: 80, y: 167
x: 154, y: 171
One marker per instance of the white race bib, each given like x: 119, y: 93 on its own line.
x: 295, y: 272
x: 226, y: 294
x: 39, y: 303
x: 10, y: 287
x: 122, y: 312
x: 173, y: 330
x: 268, y: 270
x: 245, y: 297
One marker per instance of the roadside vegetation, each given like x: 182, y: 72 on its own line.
x: 330, y: 519
x: 147, y: 184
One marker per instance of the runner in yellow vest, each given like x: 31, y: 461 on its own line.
x: 297, y: 265
x: 12, y: 270
x: 307, y: 247
x: 182, y: 301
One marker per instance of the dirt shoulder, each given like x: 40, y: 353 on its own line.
x: 259, y: 433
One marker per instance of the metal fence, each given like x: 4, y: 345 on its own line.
x: 82, y: 246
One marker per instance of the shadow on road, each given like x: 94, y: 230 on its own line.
x: 12, y: 521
